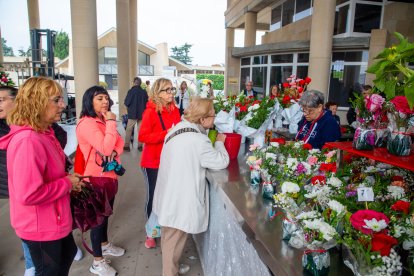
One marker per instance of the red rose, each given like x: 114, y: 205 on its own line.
x: 243, y: 108
x: 357, y: 219
x: 319, y: 179
x: 383, y: 243
x: 307, y: 146
x: 285, y: 84
x: 302, y: 82
x: 251, y: 97
x: 281, y: 141
x: 401, y: 206
x: 308, y: 80
x: 300, y: 89
x: 286, y: 99
x: 328, y: 167
x: 238, y: 104
x: 256, y: 102
x: 401, y: 105
x: 397, y: 178
x: 328, y: 147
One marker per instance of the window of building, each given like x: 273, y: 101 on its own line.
x: 260, y: 60
x: 244, y: 77
x: 276, y: 18
x: 303, y: 57
x: 303, y: 9
x: 341, y: 20
x: 143, y: 58
x: 245, y: 61
x: 284, y: 58
x: 367, y: 17
x: 288, y: 10
x: 347, y: 75
x: 279, y: 74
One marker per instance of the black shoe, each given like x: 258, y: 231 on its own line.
x: 127, y: 149
x: 140, y: 148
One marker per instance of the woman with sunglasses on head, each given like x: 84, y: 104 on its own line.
x: 160, y: 116
x: 100, y: 141
x: 317, y: 126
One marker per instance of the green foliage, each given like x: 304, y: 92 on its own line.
x: 62, y: 45
x: 7, y: 51
x: 218, y: 80
x: 28, y: 52
x: 181, y: 53
x: 103, y: 84
x: 393, y: 76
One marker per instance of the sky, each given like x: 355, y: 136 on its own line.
x: 200, y: 23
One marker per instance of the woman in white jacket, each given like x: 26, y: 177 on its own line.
x: 181, y: 199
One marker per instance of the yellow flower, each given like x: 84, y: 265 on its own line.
x: 251, y: 158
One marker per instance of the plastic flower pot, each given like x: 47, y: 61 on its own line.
x: 232, y: 144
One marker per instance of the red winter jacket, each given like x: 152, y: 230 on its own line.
x: 152, y: 134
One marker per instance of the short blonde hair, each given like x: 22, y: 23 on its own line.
x: 154, y: 95
x: 31, y: 102
x: 198, y: 108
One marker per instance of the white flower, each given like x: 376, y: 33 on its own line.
x: 308, y: 215
x: 215, y: 101
x: 270, y: 155
x: 314, y: 151
x: 396, y: 192
x: 253, y: 107
x: 375, y: 225
x: 226, y: 103
x: 290, y: 187
x: 297, y: 145
x: 398, y: 230
x: 291, y: 163
x: 274, y: 144
x: 334, y: 181
x: 328, y: 232
x: 408, y: 244
x: 336, y: 206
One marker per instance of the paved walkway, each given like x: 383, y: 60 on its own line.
x: 126, y: 229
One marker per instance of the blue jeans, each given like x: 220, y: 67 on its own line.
x: 28, y: 263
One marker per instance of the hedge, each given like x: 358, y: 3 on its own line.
x: 218, y: 80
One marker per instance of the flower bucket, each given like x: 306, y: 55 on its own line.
x: 381, y: 137
x: 399, y: 143
x: 255, y: 177
x: 232, y: 144
x: 364, y: 139
x: 316, y: 262
x: 288, y: 229
x: 267, y: 191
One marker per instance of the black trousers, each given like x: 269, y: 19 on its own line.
x: 52, y: 258
x: 99, y: 234
x: 150, y: 177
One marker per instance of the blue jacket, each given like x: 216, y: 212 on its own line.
x: 326, y: 129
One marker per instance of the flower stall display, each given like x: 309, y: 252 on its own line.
x: 258, y: 119
x: 401, y: 118
x: 5, y: 80
x: 293, y: 89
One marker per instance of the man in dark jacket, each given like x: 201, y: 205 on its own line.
x: 135, y: 101
x: 249, y: 90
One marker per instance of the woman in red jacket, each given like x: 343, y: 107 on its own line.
x: 160, y: 115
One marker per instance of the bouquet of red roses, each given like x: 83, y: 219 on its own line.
x: 292, y: 90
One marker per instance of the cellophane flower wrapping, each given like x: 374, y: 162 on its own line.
x: 399, y: 143
x: 364, y: 139
x: 292, y: 116
x: 316, y: 262
x: 224, y: 121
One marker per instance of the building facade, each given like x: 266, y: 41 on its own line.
x: 331, y: 41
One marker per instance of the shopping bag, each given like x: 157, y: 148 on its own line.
x: 152, y: 227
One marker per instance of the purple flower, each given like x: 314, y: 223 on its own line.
x: 351, y: 194
x: 300, y: 169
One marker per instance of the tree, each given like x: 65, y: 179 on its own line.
x: 62, y: 45
x: 7, y: 51
x: 182, y: 53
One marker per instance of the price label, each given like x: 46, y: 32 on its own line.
x: 365, y: 194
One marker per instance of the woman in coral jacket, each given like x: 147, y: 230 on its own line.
x: 99, y: 139
x: 160, y: 116
x: 39, y: 187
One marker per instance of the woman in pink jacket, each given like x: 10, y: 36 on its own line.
x: 99, y: 141
x: 38, y: 184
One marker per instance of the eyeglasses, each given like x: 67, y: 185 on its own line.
x: 57, y: 100
x: 212, y: 116
x: 308, y: 110
x: 169, y: 90
x: 3, y: 99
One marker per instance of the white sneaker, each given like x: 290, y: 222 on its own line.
x: 30, y: 271
x: 113, y: 250
x: 183, y: 269
x: 102, y: 268
x: 79, y: 255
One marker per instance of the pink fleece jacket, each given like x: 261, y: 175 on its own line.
x: 38, y: 186
x: 95, y: 135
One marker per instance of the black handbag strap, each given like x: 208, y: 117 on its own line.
x: 162, y: 122
x: 180, y: 131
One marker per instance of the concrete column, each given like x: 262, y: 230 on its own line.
x: 85, y: 47
x: 122, y: 51
x: 377, y: 43
x: 250, y: 26
x: 160, y: 58
x: 1, y: 50
x: 33, y: 11
x: 231, y: 78
x: 133, y: 49
x: 321, y: 44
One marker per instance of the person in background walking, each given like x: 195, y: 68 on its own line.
x: 99, y: 140
x: 161, y: 115
x: 183, y: 97
x: 181, y: 199
x: 135, y: 101
x: 39, y: 187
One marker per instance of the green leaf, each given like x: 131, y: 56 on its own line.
x: 399, y: 36
x: 390, y: 89
x: 380, y: 84
x: 409, y: 93
x: 374, y: 67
